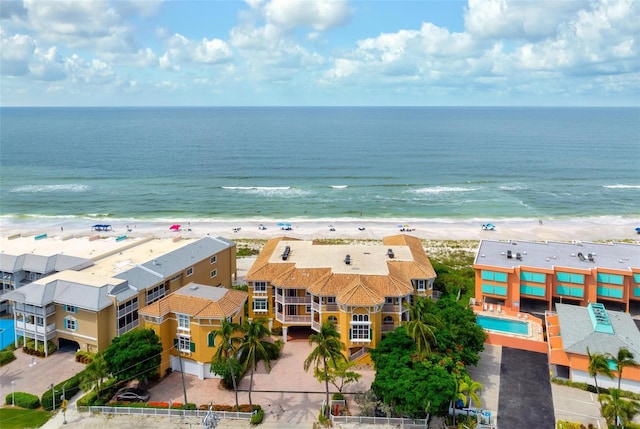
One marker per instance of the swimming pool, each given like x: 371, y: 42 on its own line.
x: 504, y: 325
x: 7, y: 333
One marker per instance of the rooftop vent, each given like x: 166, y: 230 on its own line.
x: 518, y: 256
x: 590, y: 257
x: 285, y: 254
x: 193, y: 287
x: 509, y: 254
x: 581, y: 256
x: 390, y: 253
x: 347, y: 260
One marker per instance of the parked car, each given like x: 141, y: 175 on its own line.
x: 132, y: 395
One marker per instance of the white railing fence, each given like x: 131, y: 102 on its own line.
x: 167, y: 412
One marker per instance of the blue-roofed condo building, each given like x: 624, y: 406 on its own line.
x: 87, y: 299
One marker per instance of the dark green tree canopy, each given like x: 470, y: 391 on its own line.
x: 136, y: 354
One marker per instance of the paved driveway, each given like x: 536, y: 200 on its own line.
x: 288, y: 394
x: 35, y: 379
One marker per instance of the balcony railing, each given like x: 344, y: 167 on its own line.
x: 315, y: 306
x: 30, y: 309
x: 301, y: 300
x: 391, y: 308
x: 32, y: 327
x: 288, y: 318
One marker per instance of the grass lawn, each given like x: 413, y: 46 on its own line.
x: 19, y: 418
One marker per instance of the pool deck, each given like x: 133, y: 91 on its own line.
x: 533, y: 341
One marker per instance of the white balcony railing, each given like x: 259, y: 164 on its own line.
x: 295, y: 319
x: 298, y: 300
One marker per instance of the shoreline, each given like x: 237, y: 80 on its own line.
x: 588, y: 229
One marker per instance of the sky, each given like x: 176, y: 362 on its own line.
x: 320, y: 53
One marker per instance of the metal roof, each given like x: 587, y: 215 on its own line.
x: 578, y: 332
x: 547, y: 255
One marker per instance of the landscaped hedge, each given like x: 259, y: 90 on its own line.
x: 84, y: 357
x: 257, y: 418
x: 30, y: 348
x: 71, y: 387
x: 6, y: 356
x: 23, y: 399
x: 242, y: 408
x: 107, y: 390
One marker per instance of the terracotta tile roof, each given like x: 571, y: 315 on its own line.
x: 262, y: 269
x: 348, y: 288
x: 197, y: 307
x: 359, y: 293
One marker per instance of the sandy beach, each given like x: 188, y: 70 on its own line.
x: 590, y: 229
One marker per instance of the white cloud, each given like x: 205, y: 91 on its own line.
x: 17, y: 52
x: 94, y: 72
x: 318, y: 14
x: 181, y: 50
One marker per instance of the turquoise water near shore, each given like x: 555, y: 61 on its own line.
x: 334, y: 163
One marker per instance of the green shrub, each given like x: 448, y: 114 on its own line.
x: 6, y: 356
x: 31, y: 349
x: 258, y: 416
x: 84, y: 357
x: 71, y: 387
x: 23, y: 400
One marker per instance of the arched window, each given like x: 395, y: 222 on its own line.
x: 360, y: 318
x: 211, y: 339
x: 388, y: 320
x: 332, y: 319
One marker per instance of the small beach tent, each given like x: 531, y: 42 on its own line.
x: 175, y: 227
x: 101, y: 227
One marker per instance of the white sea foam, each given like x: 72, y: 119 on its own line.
x: 339, y: 186
x: 621, y: 186
x: 72, y: 187
x: 257, y: 188
x: 443, y: 190
x: 512, y: 187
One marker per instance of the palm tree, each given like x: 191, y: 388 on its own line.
x: 623, y: 359
x: 469, y: 389
x: 598, y: 364
x: 254, y: 348
x: 94, y: 373
x: 328, y: 349
x: 421, y: 326
x: 617, y: 410
x: 228, y: 348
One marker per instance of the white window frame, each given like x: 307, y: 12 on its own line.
x: 260, y: 287
x: 70, y: 323
x: 261, y: 308
x: 189, y: 271
x: 184, y: 322
x: 214, y: 273
x: 421, y: 285
x: 184, y: 343
x: 213, y: 259
x: 331, y: 300
x: 70, y: 308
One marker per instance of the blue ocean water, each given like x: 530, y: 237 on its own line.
x: 322, y: 162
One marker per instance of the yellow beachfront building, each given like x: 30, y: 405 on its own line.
x: 186, y: 321
x: 86, y: 307
x: 362, y: 288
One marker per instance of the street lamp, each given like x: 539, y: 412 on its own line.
x: 53, y: 397
x: 63, y: 398
x: 13, y: 393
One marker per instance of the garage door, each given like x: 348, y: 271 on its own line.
x: 200, y: 370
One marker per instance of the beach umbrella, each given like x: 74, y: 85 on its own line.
x: 175, y: 227
x: 287, y: 224
x: 280, y: 223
